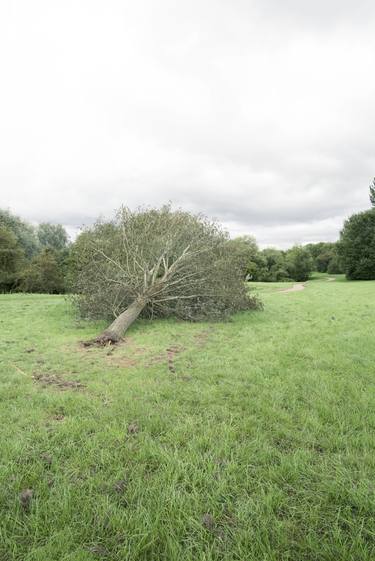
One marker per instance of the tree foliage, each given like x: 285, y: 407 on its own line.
x: 299, y: 263
x: 325, y: 257
x: 25, y: 263
x: 52, y: 236
x: 244, y: 250
x: 44, y: 274
x: 23, y: 232
x: 357, y: 246
x: 158, y: 263
x: 11, y: 260
x: 275, y: 265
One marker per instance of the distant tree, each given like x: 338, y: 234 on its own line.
x: 24, y: 232
x: 11, y: 260
x: 299, y: 263
x: 372, y: 193
x: 335, y: 266
x: 44, y: 274
x: 323, y: 253
x: 357, y: 246
x: 267, y: 265
x: 52, y: 236
x: 157, y: 262
x: 317, y: 249
x: 244, y: 250
x: 323, y: 260
x: 275, y: 264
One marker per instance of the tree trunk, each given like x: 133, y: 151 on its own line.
x: 114, y: 333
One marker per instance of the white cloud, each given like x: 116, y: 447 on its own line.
x: 258, y: 113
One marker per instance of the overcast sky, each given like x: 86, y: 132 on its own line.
x: 259, y: 113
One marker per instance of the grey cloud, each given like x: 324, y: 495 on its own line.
x: 258, y: 113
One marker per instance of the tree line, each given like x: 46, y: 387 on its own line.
x: 275, y: 265
x: 41, y: 258
x: 33, y: 259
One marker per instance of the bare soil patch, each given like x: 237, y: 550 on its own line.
x: 202, y: 337
x: 132, y: 358
x: 57, y: 381
x: 133, y: 428
x: 58, y: 417
x: 171, y: 354
x: 25, y: 498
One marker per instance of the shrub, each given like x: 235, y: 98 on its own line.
x: 299, y: 263
x: 357, y: 246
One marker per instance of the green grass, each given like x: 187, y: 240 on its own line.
x: 258, y: 447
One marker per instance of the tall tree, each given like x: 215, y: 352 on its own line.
x: 372, y: 192
x: 357, y: 246
x: 44, y: 274
x: 157, y: 262
x: 24, y: 232
x: 244, y: 250
x: 11, y: 260
x: 299, y: 263
x: 52, y: 236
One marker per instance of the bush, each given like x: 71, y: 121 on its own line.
x: 44, y: 274
x: 357, y: 246
x: 299, y: 263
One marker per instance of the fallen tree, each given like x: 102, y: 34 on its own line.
x: 156, y: 263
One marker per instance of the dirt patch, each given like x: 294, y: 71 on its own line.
x: 120, y: 486
x: 132, y: 358
x: 57, y: 381
x: 331, y: 279
x: 166, y: 356
x: 98, y: 550
x: 133, y: 428
x: 25, y: 498
x: 295, y: 288
x: 201, y: 338
x: 171, y: 354
x: 124, y: 362
x: 46, y: 459
x: 156, y: 359
x: 58, y: 417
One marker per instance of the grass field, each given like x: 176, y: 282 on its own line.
x: 251, y: 440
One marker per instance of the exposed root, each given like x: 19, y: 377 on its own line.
x: 106, y: 339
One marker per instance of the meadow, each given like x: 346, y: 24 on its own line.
x: 250, y: 440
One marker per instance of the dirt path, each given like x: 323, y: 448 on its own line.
x: 294, y: 288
